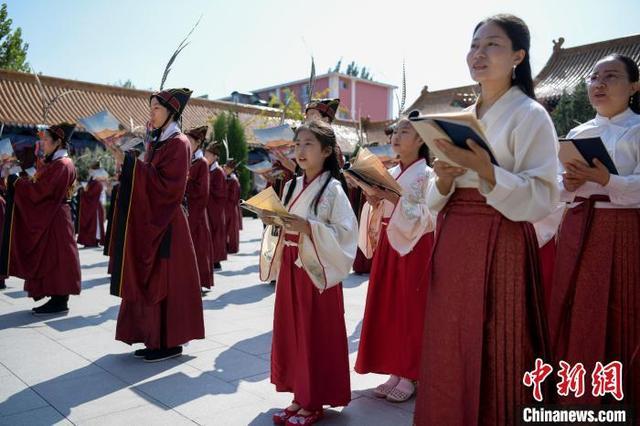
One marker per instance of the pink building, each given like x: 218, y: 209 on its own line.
x: 358, y: 97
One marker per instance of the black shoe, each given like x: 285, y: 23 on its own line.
x: 2, y: 285
x: 155, y: 355
x: 272, y: 282
x: 141, y: 353
x: 217, y: 265
x: 53, y: 306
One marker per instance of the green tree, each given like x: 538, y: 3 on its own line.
x: 290, y: 104
x: 13, y: 52
x: 239, y: 151
x: 126, y: 84
x: 572, y: 109
x: 85, y: 159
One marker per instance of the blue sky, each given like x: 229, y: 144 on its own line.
x: 245, y: 45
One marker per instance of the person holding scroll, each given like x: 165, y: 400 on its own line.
x: 595, y: 303
x: 485, y: 322
x: 38, y: 241
x: 154, y: 268
x: 398, y: 231
x: 311, y: 253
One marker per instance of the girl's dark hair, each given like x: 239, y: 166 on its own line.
x: 634, y: 77
x: 518, y: 33
x: 327, y: 138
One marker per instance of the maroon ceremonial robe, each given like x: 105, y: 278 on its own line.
x: 91, y: 215
x: 231, y: 214
x: 216, y: 211
x: 38, y: 242
x: 197, y: 199
x: 154, y: 266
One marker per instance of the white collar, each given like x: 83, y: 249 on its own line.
x: 170, y: 130
x: 214, y: 165
x: 619, y: 120
x: 198, y: 154
x: 59, y: 154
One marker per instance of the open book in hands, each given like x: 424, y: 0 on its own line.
x: 455, y: 127
x: 266, y: 203
x: 368, y: 171
x: 585, y: 150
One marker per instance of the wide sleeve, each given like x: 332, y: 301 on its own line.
x: 198, y: 188
x: 271, y: 251
x: 529, y: 192
x: 411, y: 218
x: 327, y: 254
x: 149, y: 197
x: 435, y: 200
x: 625, y: 190
x: 364, y: 242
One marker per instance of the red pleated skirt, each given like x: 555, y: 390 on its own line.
x: 484, y: 321
x: 392, y: 328
x: 547, y: 255
x: 309, y: 354
x: 362, y: 265
x: 595, y: 306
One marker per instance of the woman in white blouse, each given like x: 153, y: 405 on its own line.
x: 485, y: 321
x: 595, y: 304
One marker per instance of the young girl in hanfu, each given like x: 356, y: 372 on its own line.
x: 310, y: 256
x: 401, y: 228
x: 595, y: 303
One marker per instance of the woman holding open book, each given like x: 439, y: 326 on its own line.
x: 400, y: 229
x: 485, y: 323
x: 310, y: 252
x: 595, y: 304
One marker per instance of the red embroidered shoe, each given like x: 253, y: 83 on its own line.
x: 281, y: 417
x: 305, y: 420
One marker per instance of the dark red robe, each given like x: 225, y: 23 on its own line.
x: 216, y: 210
x: 38, y: 242
x: 231, y: 214
x: 197, y: 199
x: 154, y: 266
x: 91, y: 215
x: 110, y: 215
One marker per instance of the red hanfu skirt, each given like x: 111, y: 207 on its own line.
x: 392, y: 328
x: 547, y: 255
x: 362, y: 265
x: 484, y: 321
x: 595, y: 307
x: 309, y: 354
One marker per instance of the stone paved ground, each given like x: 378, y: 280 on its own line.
x: 69, y: 369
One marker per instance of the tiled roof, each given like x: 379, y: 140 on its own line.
x: 566, y: 67
x: 563, y: 71
x: 21, y: 105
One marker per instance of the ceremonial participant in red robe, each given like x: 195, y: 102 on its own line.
x: 38, y: 242
x: 311, y: 255
x: 197, y: 200
x: 485, y: 323
x: 91, y: 212
x: 154, y: 267
x: 217, y: 206
x: 113, y: 197
x: 400, y: 230
x: 595, y: 303
x: 231, y: 212
x: 3, y: 205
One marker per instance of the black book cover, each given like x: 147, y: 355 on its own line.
x: 459, y: 133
